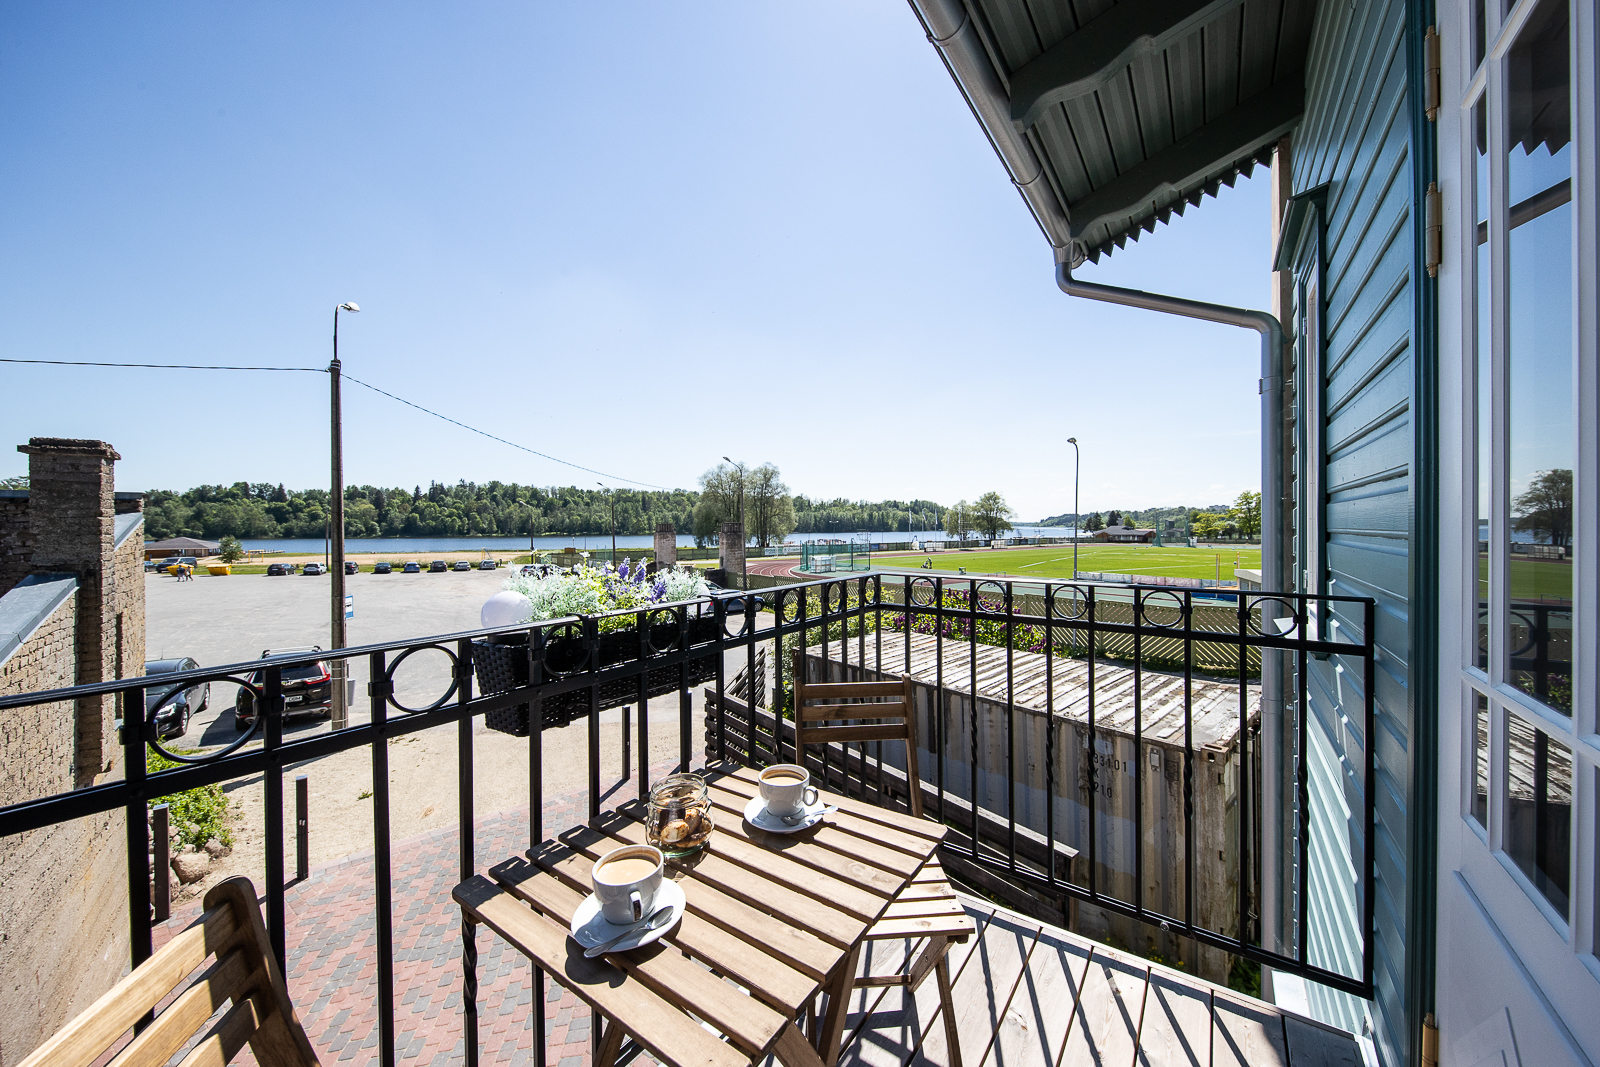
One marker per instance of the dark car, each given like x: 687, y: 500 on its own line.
x: 176, y: 708
x: 735, y: 603
x: 381, y: 568
x: 314, y: 568
x: 305, y: 689
x: 280, y: 568
x: 438, y: 566
x: 411, y: 568
x: 463, y: 565
x: 351, y: 567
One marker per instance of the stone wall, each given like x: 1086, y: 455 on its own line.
x: 666, y: 554
x: 730, y: 545
x: 55, y: 960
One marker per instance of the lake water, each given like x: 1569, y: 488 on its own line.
x: 410, y: 545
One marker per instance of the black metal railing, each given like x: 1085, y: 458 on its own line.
x: 1136, y: 634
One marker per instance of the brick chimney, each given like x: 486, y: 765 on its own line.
x: 72, y: 527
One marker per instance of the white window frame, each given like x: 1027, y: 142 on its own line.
x: 1559, y: 953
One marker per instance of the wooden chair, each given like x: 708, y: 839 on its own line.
x: 927, y: 910
x: 245, y: 972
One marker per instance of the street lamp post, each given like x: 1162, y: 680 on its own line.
x: 1077, y: 520
x: 612, y: 497
x: 532, y: 511
x: 744, y: 566
x: 336, y: 527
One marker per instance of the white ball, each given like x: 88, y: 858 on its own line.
x: 505, y: 609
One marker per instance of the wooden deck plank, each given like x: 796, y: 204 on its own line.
x: 1036, y: 1024
x: 982, y: 992
x: 1176, y: 1031
x: 1105, y: 1025
x: 1245, y: 1034
x: 1311, y: 1044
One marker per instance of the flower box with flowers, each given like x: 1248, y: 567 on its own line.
x: 502, y: 665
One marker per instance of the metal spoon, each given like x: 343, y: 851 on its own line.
x: 795, y: 820
x: 657, y: 919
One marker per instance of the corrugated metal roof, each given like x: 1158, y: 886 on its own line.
x: 1133, y: 110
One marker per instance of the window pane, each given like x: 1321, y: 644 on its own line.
x: 1539, y: 445
x: 1480, y: 35
x: 1480, y: 761
x: 1539, y: 816
x: 1485, y: 375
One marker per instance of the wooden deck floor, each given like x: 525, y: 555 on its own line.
x: 1028, y: 995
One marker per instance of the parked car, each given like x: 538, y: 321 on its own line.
x: 314, y: 568
x: 280, y: 568
x: 305, y: 689
x: 381, y: 568
x: 735, y: 603
x: 438, y: 566
x: 487, y: 565
x: 352, y: 567
x: 411, y: 568
x: 175, y: 708
x: 165, y: 566
x: 539, y: 570
x: 463, y: 565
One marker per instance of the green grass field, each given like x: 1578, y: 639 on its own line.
x: 1055, y: 561
x: 1535, y: 579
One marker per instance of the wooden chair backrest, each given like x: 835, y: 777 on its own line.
x: 872, y: 700
x: 244, y: 972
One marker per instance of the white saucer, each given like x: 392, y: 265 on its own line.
x: 757, y: 815
x: 589, y: 928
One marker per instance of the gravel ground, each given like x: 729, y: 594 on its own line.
x: 232, y: 620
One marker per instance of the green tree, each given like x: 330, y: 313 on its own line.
x: 232, y: 550
x: 1246, y: 514
x: 958, y: 521
x: 991, y: 514
x: 1095, y: 522
x: 1544, y: 509
x: 769, y: 509
x: 1113, y: 517
x: 1206, y: 525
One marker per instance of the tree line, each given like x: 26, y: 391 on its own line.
x: 1242, y: 518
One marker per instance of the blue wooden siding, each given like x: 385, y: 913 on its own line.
x: 1355, y: 138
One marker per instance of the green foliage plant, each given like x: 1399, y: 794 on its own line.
x: 198, y: 814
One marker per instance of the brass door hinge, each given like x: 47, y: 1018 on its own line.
x: 1433, y: 233
x: 1433, y: 94
x: 1430, y: 1041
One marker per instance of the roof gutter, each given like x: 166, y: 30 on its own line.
x: 1272, y: 544
x: 950, y: 29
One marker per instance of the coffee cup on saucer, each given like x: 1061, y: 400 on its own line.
x: 625, y: 883
x: 787, y: 790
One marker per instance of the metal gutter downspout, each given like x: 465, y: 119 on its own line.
x: 1273, y: 847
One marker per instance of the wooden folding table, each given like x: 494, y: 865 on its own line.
x: 771, y: 920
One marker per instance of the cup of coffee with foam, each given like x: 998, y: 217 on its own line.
x: 787, y: 789
x: 626, y: 881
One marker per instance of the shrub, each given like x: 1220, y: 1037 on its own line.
x: 197, y: 814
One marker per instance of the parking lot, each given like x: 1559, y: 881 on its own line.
x: 223, y: 620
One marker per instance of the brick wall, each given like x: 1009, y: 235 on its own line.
x: 55, y: 960
x: 16, y: 545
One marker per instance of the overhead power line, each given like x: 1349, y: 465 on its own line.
x: 502, y: 440
x: 157, y: 366
x: 358, y: 381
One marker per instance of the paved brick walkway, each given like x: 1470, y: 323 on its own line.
x: 331, y: 940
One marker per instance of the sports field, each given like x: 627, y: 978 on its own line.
x: 1055, y: 561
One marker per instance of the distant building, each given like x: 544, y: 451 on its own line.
x: 1126, y: 535
x: 180, y: 546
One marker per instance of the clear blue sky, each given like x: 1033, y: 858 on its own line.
x: 635, y: 236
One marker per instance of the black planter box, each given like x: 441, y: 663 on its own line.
x: 500, y: 667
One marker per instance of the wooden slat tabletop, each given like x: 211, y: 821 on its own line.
x: 771, y: 920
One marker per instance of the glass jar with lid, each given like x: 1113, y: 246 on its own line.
x: 679, y: 821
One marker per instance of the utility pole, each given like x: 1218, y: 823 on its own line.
x: 612, y: 497
x: 1077, y: 521
x: 339, y: 667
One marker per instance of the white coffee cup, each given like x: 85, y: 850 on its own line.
x: 787, y: 789
x: 625, y: 883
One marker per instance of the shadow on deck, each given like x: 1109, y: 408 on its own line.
x: 1028, y: 995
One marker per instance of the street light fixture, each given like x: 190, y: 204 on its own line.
x: 744, y: 567
x: 1077, y: 519
x: 336, y: 524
